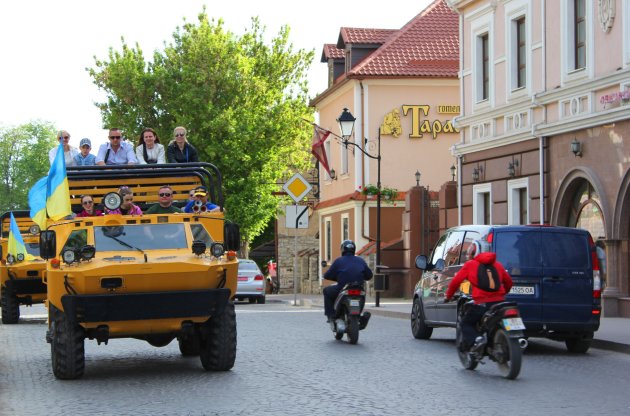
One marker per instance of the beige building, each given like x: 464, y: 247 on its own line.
x: 402, y: 85
x: 545, y: 94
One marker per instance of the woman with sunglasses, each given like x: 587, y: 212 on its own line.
x: 127, y: 207
x: 69, y: 152
x: 179, y: 150
x: 89, y: 208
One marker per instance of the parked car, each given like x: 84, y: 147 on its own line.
x: 556, y: 280
x: 251, y: 282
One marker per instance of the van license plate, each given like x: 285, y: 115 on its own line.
x: 522, y: 290
x: 513, y: 324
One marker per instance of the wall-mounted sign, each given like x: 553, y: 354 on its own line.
x: 392, y: 125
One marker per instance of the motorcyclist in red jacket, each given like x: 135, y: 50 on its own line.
x: 490, y: 283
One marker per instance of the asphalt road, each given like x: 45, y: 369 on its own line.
x: 288, y: 363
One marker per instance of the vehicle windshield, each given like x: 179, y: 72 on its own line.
x: 140, y: 237
x: 32, y: 248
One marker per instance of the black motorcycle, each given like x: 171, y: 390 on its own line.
x: 349, y: 316
x: 501, y: 339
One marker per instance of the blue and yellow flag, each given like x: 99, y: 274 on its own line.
x: 37, y: 202
x: 57, y: 190
x: 16, y: 243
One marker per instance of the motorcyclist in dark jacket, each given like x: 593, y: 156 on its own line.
x: 494, y: 279
x: 345, y: 269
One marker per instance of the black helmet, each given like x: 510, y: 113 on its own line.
x: 348, y: 246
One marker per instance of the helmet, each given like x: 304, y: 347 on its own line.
x: 477, y: 247
x: 348, y: 246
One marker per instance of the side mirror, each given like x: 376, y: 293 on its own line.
x: 324, y: 263
x: 439, y: 265
x: 421, y: 262
x: 231, y: 236
x: 47, y: 244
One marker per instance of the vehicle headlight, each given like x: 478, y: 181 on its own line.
x: 217, y: 249
x: 69, y: 256
x: 88, y: 252
x: 34, y: 229
x: 20, y: 257
x: 10, y: 259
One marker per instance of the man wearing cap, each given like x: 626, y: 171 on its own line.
x: 165, y: 203
x: 85, y: 158
x: 201, y: 200
x: 116, y: 152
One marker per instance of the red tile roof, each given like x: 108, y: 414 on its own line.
x: 363, y: 36
x: 331, y: 52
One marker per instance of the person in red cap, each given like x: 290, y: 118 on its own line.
x: 490, y: 283
x: 200, y: 203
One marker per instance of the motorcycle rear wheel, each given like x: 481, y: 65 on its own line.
x: 507, y: 354
x: 466, y: 358
x: 353, y: 329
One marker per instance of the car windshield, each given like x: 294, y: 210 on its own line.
x: 247, y: 266
x: 140, y: 237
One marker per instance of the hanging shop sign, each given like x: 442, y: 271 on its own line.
x: 420, y: 124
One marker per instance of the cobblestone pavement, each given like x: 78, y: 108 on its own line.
x: 288, y: 363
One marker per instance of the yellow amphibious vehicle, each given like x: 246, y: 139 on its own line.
x: 20, y: 278
x: 154, y: 277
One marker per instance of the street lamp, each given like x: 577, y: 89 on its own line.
x: 453, y: 168
x: 417, y: 175
x: 346, y: 125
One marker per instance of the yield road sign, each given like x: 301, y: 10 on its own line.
x: 297, y: 187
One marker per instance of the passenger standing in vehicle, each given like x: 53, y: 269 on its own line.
x: 69, y: 152
x: 116, y: 152
x: 165, y: 204
x: 200, y: 203
x: 89, y: 209
x: 179, y: 150
x: 345, y: 269
x: 149, y: 150
x: 85, y: 158
x: 127, y: 207
x: 490, y: 283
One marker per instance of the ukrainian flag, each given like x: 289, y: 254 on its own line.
x: 37, y: 202
x: 16, y: 243
x: 57, y: 190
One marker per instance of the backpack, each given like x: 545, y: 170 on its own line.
x: 488, y: 278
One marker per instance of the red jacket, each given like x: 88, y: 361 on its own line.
x: 469, y: 272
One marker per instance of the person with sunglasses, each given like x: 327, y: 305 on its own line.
x: 165, y: 203
x: 89, y: 208
x: 127, y: 207
x: 116, y: 152
x: 69, y: 152
x: 179, y: 150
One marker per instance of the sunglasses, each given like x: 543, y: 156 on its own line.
x: 115, y: 137
x: 165, y: 194
x: 180, y: 135
x: 87, y: 202
x: 65, y: 137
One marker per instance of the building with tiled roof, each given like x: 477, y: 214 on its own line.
x: 402, y: 86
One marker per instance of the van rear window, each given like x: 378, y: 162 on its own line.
x: 518, y: 249
x: 565, y: 250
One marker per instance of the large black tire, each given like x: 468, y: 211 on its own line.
x: 508, y: 354
x: 261, y: 300
x: 419, y: 328
x: 353, y: 329
x: 190, y: 346
x: 465, y: 357
x: 67, y: 346
x: 10, y: 307
x: 574, y: 345
x: 218, y: 343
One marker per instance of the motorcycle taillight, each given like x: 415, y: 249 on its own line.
x: 354, y: 292
x: 510, y: 312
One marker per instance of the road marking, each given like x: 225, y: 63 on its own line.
x: 282, y: 311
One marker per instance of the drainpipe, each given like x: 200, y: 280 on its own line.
x: 462, y: 96
x: 363, y: 227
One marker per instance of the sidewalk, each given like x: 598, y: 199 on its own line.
x: 613, y: 333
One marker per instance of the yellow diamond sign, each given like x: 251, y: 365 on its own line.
x: 297, y: 187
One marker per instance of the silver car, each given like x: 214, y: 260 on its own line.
x: 251, y: 282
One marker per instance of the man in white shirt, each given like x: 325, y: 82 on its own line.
x: 69, y: 152
x: 116, y: 152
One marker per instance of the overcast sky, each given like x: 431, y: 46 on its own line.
x: 46, y: 45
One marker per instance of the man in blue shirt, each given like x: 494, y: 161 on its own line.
x: 200, y: 203
x: 85, y: 158
x: 116, y: 152
x: 345, y: 269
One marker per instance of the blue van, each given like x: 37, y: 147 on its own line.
x: 554, y: 269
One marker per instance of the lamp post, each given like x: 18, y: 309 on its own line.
x: 346, y: 125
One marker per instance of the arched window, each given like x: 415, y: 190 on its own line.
x: 586, y: 211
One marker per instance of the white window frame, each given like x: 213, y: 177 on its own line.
x: 569, y: 73
x: 478, y: 192
x: 344, y: 159
x: 515, y: 10
x: 513, y: 188
x: 329, y: 158
x: 479, y: 27
x: 625, y: 21
x: 327, y: 241
x: 345, y: 218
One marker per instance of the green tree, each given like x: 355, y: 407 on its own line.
x: 23, y: 160
x: 241, y: 99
